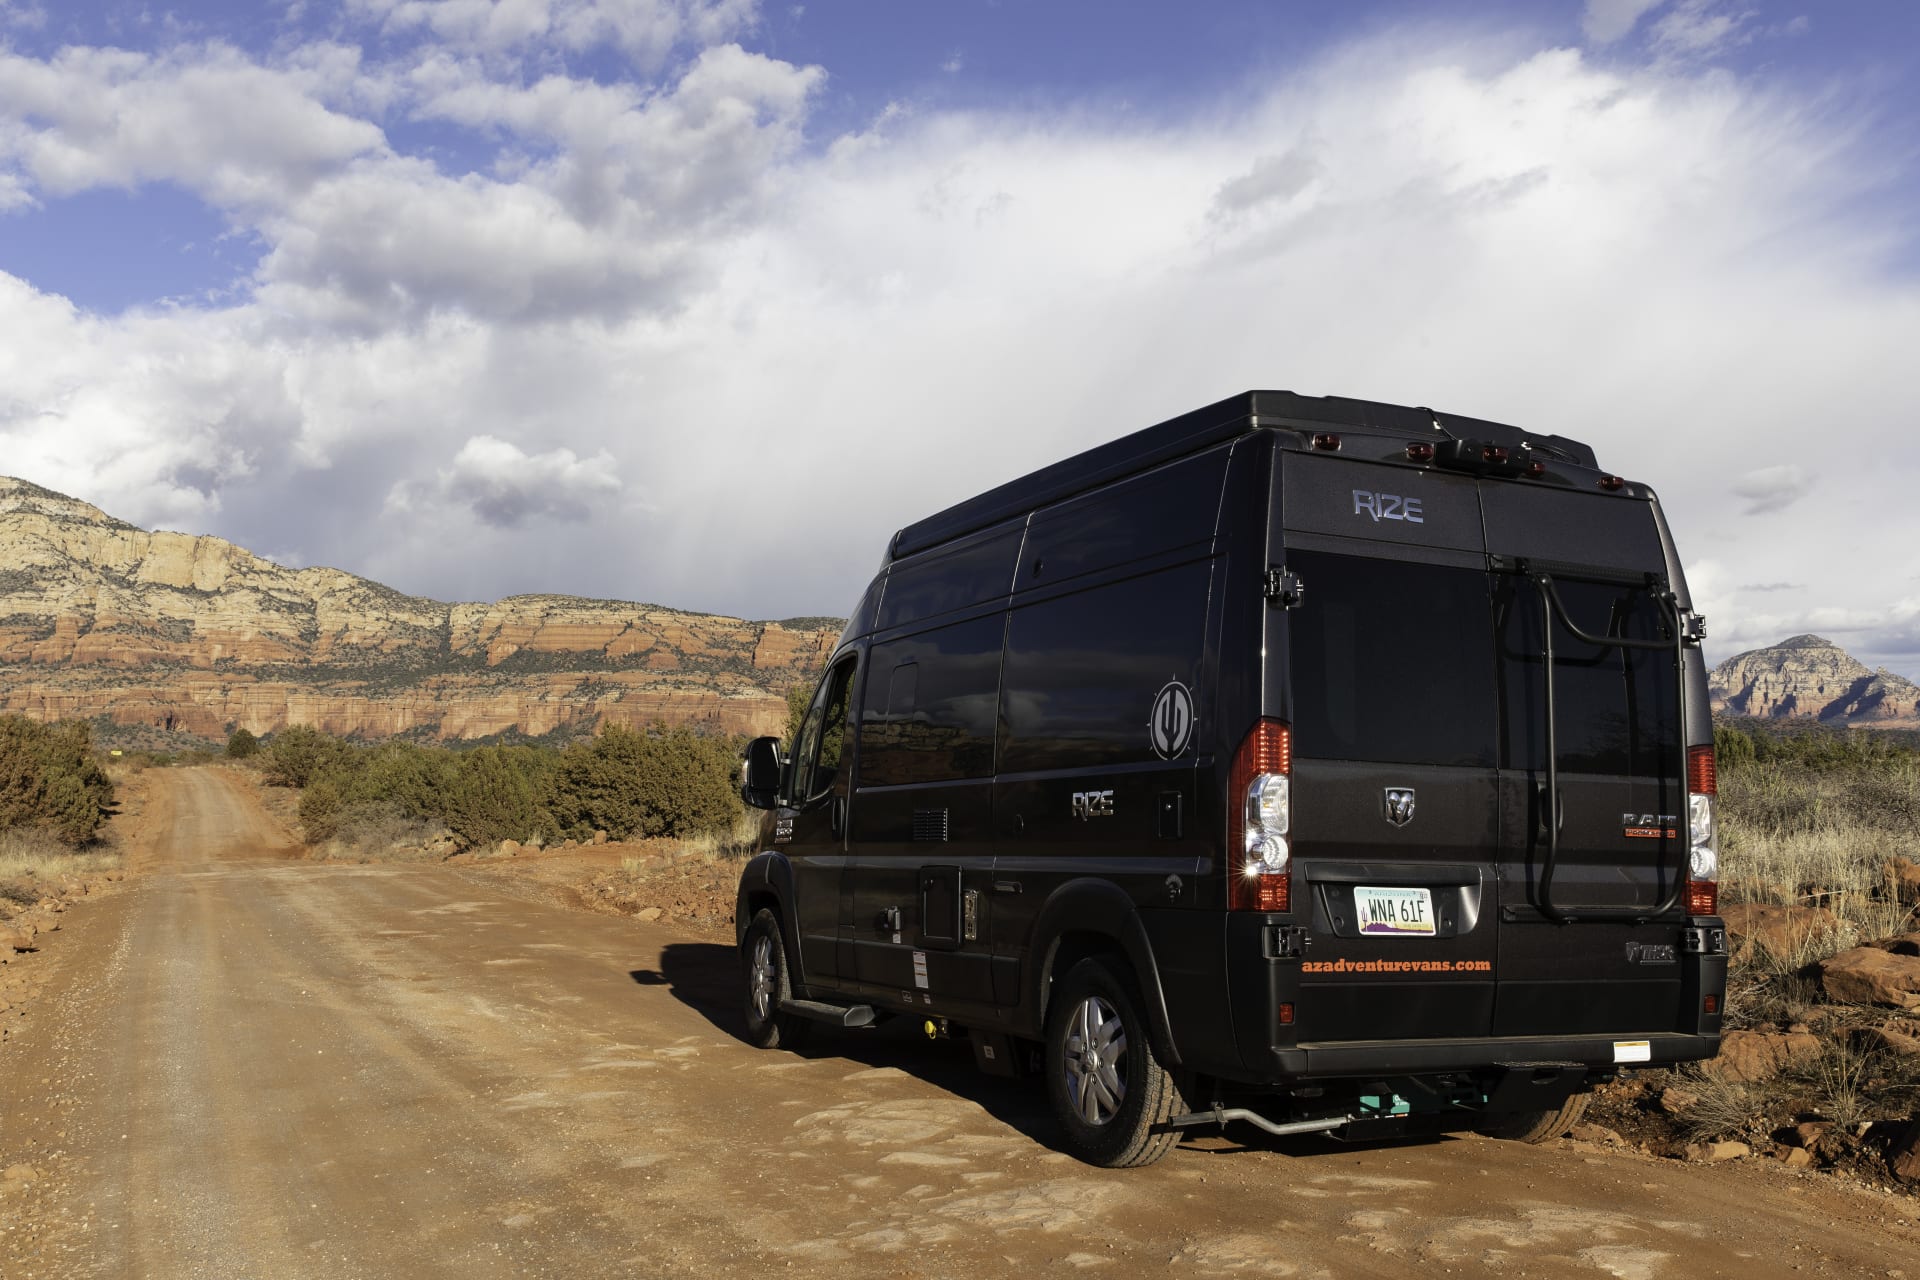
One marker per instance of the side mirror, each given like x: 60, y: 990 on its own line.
x: 760, y: 768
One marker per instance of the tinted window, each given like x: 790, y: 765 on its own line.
x: 931, y: 703
x: 1392, y: 662
x: 1614, y: 709
x: 1082, y: 670
x: 940, y: 582
x: 1174, y: 506
x: 820, y: 748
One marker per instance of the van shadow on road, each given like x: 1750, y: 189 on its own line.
x: 705, y: 977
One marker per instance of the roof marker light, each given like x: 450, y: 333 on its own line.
x: 1536, y: 469
x: 1326, y: 440
x: 1612, y: 484
x: 1420, y: 453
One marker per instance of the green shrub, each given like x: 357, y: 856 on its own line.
x: 299, y: 753
x: 497, y: 793
x: 320, y: 804
x: 663, y: 782
x: 49, y: 778
x: 242, y: 744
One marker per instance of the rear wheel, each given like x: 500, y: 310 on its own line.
x: 1538, y: 1126
x: 1106, y: 1084
x: 764, y: 956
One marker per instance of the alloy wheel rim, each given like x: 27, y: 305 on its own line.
x: 1095, y: 1061
x: 760, y: 980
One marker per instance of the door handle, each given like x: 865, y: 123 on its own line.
x: 839, y: 816
x: 1006, y: 886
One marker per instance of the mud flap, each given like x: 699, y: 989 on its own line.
x: 1535, y: 1086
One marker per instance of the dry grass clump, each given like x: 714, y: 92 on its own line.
x: 1725, y: 1107
x: 1811, y: 832
x: 741, y: 840
x: 34, y: 862
x: 29, y: 854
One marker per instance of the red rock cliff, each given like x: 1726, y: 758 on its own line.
x: 100, y: 618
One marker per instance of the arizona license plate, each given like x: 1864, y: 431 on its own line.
x: 1401, y: 913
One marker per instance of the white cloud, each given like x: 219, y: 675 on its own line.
x: 1604, y: 21
x: 662, y: 281
x: 239, y: 133
x: 22, y: 16
x: 1698, y: 28
x: 645, y: 30
x: 504, y: 486
x: 1770, y: 489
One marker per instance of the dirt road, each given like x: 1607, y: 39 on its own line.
x: 253, y: 1066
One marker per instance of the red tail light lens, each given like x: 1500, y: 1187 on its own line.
x: 1703, y: 836
x: 1259, y: 820
x: 1703, y: 778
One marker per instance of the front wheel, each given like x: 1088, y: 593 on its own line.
x: 1106, y: 1084
x: 764, y: 956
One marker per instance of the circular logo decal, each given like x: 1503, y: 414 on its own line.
x: 1171, y: 726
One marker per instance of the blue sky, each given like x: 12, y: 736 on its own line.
x: 490, y: 296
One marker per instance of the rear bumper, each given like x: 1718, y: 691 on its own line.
x: 1415, y: 1057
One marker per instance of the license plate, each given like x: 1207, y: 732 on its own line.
x: 1395, y: 913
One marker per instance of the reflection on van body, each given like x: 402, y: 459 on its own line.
x: 1180, y: 775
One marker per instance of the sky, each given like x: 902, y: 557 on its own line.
x: 697, y: 301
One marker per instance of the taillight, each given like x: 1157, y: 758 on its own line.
x: 1703, y: 840
x: 1260, y: 820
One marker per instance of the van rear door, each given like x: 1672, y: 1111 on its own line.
x: 1593, y: 765
x: 1393, y: 704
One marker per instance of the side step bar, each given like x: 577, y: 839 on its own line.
x: 839, y: 1015
x: 1220, y: 1116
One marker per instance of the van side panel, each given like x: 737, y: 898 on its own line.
x: 1105, y: 704
x: 920, y: 822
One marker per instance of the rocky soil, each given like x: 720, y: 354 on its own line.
x: 251, y: 1063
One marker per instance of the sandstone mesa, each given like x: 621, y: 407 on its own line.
x: 99, y: 618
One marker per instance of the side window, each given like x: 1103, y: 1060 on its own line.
x: 819, y: 752
x: 1083, y: 671
x: 1392, y: 662
x: 942, y: 688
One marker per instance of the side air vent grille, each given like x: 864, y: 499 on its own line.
x: 930, y: 824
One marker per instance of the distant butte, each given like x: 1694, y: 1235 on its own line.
x: 99, y: 618
x: 1811, y: 678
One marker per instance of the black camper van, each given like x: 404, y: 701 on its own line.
x: 1321, y: 764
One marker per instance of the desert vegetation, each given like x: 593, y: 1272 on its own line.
x: 54, y: 797
x: 1819, y: 835
x: 621, y: 784
x: 51, y: 782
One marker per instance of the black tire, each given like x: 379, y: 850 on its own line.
x: 1084, y: 1072
x: 763, y: 963
x: 1538, y: 1126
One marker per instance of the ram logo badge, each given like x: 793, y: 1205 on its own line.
x: 1399, y: 805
